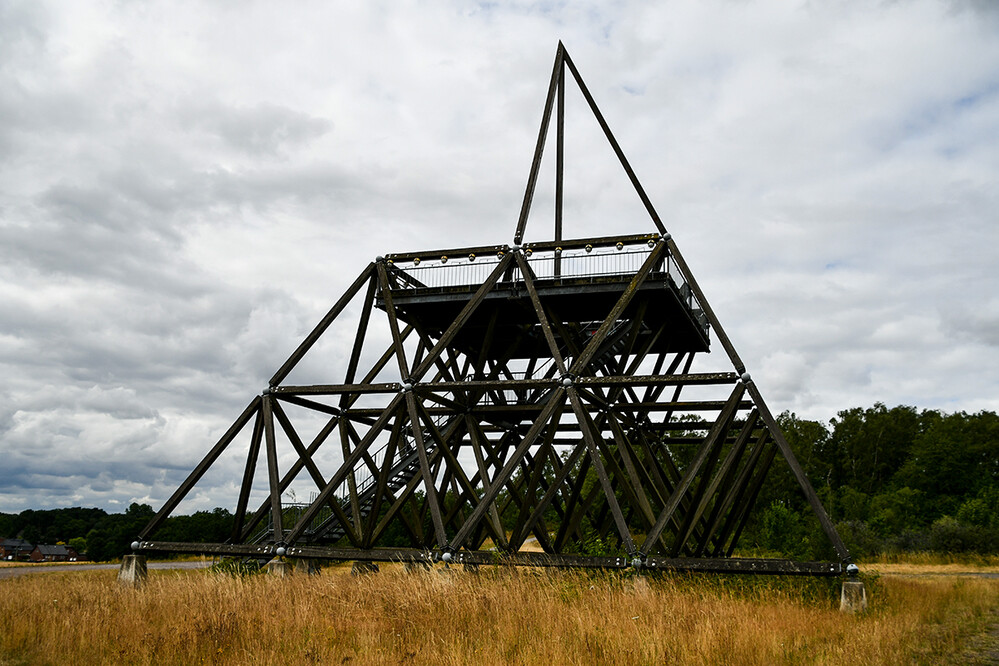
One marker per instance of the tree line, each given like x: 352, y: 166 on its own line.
x: 892, y: 480
x: 103, y: 536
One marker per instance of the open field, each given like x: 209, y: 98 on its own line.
x: 496, y: 616
x: 48, y: 567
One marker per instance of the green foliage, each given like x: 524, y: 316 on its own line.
x: 893, y: 479
x: 103, y: 536
x: 782, y: 530
x: 51, y: 525
x: 79, y: 544
x: 981, y: 510
x: 597, y: 547
x: 950, y: 535
x: 110, y: 538
x: 853, y: 504
x: 895, y: 510
x: 956, y: 456
x: 867, y: 446
x: 213, y: 526
x: 859, y: 538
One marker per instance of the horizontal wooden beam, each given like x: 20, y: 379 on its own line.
x: 512, y: 384
x: 735, y: 565
x: 458, y: 253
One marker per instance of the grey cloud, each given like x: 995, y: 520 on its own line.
x: 264, y: 129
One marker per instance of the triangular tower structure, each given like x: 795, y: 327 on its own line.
x: 530, y: 392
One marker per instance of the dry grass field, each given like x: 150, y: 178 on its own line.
x: 497, y: 616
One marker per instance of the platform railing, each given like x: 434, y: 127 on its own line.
x: 454, y: 272
x: 465, y: 271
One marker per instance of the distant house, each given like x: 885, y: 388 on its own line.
x: 15, y: 549
x: 58, y: 553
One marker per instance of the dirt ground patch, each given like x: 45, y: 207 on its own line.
x: 984, y: 648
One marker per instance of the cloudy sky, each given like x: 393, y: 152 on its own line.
x: 185, y: 188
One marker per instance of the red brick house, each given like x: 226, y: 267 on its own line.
x: 58, y: 553
x: 15, y: 549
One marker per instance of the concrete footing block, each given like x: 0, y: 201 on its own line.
x: 279, y: 568
x: 133, y: 571
x: 853, y: 598
x: 361, y: 568
x: 307, y: 567
x: 640, y: 586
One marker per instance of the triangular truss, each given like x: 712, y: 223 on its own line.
x: 534, y: 393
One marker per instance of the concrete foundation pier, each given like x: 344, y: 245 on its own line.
x: 853, y: 598
x: 133, y: 571
x: 361, y: 568
x: 279, y: 568
x: 640, y: 585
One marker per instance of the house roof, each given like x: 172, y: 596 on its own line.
x: 16, y: 543
x: 46, y: 549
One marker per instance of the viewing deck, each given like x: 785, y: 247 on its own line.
x: 578, y: 285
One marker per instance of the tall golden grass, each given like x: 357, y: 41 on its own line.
x: 497, y: 616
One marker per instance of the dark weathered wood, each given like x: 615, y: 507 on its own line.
x: 201, y: 468
x: 754, y: 492
x: 724, y: 479
x: 559, y: 161
x: 560, y: 478
x: 595, y: 242
x: 529, y: 559
x: 463, y: 316
x: 533, y: 478
x: 558, y: 398
x: 691, y: 472
x: 798, y: 472
x: 386, y: 294
x: 362, y: 331
x: 273, y: 484
x: 590, y: 438
x: 661, y: 380
x: 614, y: 144
x: 308, y: 404
x: 320, y: 328
x: 717, y: 437
x: 476, y: 436
x: 348, y: 465
x: 539, y: 149
x: 716, y: 326
x: 453, y: 465
x: 493, y: 382
x: 251, y: 465
x: 457, y: 253
x: 289, y: 476
x: 428, y: 477
x: 583, y: 360
x: 381, y: 485
x: 631, y: 467
x: 306, y: 458
x: 539, y: 309
x: 337, y: 389
x: 734, y: 502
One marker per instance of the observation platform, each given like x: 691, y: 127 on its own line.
x: 578, y: 285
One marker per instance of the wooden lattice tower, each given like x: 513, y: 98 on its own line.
x: 532, y: 391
